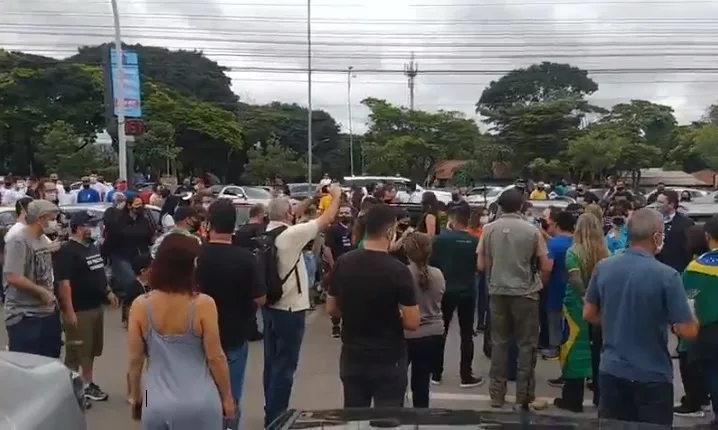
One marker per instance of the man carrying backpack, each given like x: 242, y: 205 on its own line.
x: 287, y: 295
x: 244, y: 236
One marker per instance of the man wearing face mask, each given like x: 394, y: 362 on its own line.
x: 83, y: 291
x: 30, y: 311
x: 676, y: 251
x: 9, y: 194
x: 339, y: 241
x: 187, y: 222
x: 87, y: 194
x: 635, y: 298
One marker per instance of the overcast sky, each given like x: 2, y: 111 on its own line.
x: 376, y: 37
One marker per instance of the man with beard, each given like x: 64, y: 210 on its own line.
x: 339, y: 241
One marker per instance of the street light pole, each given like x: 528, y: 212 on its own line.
x: 120, y: 95
x: 349, y: 108
x: 309, y: 92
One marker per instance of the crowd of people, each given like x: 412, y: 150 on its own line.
x: 596, y: 286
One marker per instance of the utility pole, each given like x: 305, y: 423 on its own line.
x: 349, y: 109
x: 309, y: 93
x: 410, y: 71
x: 120, y: 95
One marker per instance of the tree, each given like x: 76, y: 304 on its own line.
x: 38, y: 91
x: 156, y: 148
x: 410, y: 142
x: 595, y: 153
x: 537, y: 110
x: 63, y: 152
x: 265, y: 160
x: 705, y: 141
x: 188, y: 73
x: 645, y: 122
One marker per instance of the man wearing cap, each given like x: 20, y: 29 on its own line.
x: 187, y: 222
x: 80, y: 273
x: 31, y: 317
x: 87, y: 194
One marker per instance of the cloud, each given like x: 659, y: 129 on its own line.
x: 378, y: 36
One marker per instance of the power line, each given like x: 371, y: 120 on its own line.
x: 373, y: 22
x: 412, y: 6
x: 345, y: 44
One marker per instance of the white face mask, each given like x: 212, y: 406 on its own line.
x: 95, y: 233
x: 484, y: 220
x: 121, y: 205
x: 205, y: 205
x: 51, y: 227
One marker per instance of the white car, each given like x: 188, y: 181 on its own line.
x: 483, y: 195
x: 242, y: 194
x: 399, y: 182
x: 696, y: 193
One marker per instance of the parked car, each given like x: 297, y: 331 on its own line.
x: 696, y: 193
x: 302, y: 191
x: 39, y: 393
x: 242, y: 194
x: 483, y: 195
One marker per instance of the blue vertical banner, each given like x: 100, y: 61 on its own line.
x: 131, y: 71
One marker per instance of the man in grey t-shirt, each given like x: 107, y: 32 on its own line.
x: 31, y: 316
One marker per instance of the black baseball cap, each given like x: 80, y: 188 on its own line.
x: 83, y: 218
x: 184, y: 212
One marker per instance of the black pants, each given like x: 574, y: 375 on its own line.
x: 365, y: 380
x: 634, y: 401
x: 336, y: 321
x: 422, y: 354
x: 694, y: 382
x: 465, y: 307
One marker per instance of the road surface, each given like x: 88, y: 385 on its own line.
x: 317, y: 384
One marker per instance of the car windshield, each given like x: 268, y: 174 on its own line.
x: 257, y: 193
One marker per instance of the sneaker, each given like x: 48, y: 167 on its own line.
x: 471, y: 381
x: 86, y: 403
x: 686, y: 411
x: 93, y: 392
x: 336, y: 331
x: 436, y: 379
x: 557, y: 382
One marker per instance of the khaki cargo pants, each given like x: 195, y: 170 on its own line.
x: 513, y: 318
x: 84, y: 342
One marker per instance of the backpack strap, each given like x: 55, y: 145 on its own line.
x: 275, y: 232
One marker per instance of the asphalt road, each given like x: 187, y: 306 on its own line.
x: 316, y: 385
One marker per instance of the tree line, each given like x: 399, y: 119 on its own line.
x: 540, y: 122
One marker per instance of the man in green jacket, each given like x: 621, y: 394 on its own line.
x: 454, y: 253
x: 698, y: 360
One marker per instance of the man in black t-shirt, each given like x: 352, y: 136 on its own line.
x: 376, y: 306
x: 256, y: 226
x: 230, y: 275
x: 339, y: 240
x: 83, y: 289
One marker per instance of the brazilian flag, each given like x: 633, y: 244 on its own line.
x: 700, y: 280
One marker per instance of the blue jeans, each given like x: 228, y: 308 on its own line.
x: 283, y: 334
x: 311, y: 262
x: 36, y: 335
x: 237, y: 361
x: 635, y: 401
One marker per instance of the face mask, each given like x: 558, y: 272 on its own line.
x: 50, y: 227
x: 205, y: 205
x: 484, y: 220
x: 51, y: 196
x: 620, y: 189
x: 20, y: 185
x: 121, y: 205
x: 94, y: 234
x: 659, y: 246
x: 345, y: 218
x: 85, y: 186
x: 138, y: 209
x: 93, y: 180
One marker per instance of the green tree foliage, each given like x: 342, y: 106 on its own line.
x: 156, y: 149
x: 37, y: 91
x: 189, y: 73
x: 537, y: 110
x: 265, y: 160
x: 62, y: 151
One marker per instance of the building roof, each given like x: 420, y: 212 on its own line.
x: 444, y: 169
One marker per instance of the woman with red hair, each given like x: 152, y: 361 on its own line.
x: 175, y: 327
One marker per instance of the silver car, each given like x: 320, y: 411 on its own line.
x: 39, y: 393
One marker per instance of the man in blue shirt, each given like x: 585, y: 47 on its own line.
x: 87, y: 194
x: 635, y: 298
x: 560, y: 226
